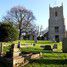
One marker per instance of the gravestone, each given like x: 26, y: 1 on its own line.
x: 55, y: 46
x: 31, y: 37
x: 34, y: 44
x: 18, y: 45
x: 35, y: 37
x: 64, y: 45
x: 1, y: 49
x: 26, y: 45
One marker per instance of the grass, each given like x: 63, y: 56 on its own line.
x: 48, y: 59
x: 54, y: 55
x: 33, y: 50
x: 37, y: 46
x: 45, y: 65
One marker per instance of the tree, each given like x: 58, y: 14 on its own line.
x: 20, y: 16
x: 8, y: 32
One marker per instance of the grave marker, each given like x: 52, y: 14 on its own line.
x: 55, y: 46
x: 35, y: 37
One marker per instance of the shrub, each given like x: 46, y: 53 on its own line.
x: 8, y: 32
x: 9, y: 54
x: 47, y: 47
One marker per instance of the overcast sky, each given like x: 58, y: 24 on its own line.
x: 40, y: 8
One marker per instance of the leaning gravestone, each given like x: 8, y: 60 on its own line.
x: 64, y: 45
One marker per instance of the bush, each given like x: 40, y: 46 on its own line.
x: 9, y: 54
x: 8, y: 32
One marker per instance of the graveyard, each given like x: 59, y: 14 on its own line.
x: 25, y: 43
x: 37, y: 55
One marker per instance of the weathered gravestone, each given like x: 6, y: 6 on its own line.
x: 55, y: 46
x: 34, y: 44
x: 26, y: 45
x: 31, y: 37
x: 64, y: 45
x: 35, y: 38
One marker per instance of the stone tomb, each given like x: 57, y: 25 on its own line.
x: 64, y: 45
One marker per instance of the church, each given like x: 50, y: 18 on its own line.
x: 56, y: 24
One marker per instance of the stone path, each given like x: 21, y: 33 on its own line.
x: 17, y: 60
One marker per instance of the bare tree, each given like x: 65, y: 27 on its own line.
x: 20, y: 16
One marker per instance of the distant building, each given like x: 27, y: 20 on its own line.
x: 56, y: 23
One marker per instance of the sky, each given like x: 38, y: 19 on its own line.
x: 40, y: 9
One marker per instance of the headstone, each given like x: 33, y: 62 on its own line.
x: 34, y: 44
x: 40, y: 54
x: 26, y: 45
x: 18, y: 45
x: 64, y: 45
x: 55, y: 46
x: 31, y: 37
x: 35, y: 37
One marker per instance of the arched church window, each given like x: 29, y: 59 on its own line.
x: 56, y: 29
x: 56, y: 13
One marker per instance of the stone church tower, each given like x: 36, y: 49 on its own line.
x: 56, y: 23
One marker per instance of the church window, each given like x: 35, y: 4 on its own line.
x: 56, y: 29
x: 56, y: 13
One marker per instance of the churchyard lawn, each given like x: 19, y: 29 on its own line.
x: 30, y: 43
x: 49, y: 58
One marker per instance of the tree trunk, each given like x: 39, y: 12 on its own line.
x: 20, y: 34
